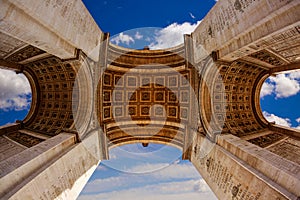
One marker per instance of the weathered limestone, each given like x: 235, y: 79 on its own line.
x: 237, y: 28
x: 80, y: 108
x: 57, y: 27
x: 57, y: 168
x: 24, y: 165
x: 239, y: 170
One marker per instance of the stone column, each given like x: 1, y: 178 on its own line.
x: 56, y: 168
x: 236, y: 169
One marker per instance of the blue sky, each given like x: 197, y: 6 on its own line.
x: 116, y: 16
x: 161, y: 172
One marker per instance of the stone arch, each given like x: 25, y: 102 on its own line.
x: 231, y: 103
x: 209, y: 74
x: 258, y: 87
x: 144, y: 78
x: 162, y: 141
x: 34, y: 93
x: 53, y: 80
x: 83, y: 96
x: 256, y: 99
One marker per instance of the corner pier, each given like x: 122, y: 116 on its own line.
x: 87, y: 98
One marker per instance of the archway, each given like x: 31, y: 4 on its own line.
x: 15, y: 96
x: 150, y: 176
x: 16, y: 105
x: 279, y: 98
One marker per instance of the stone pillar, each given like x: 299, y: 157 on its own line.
x: 238, y: 28
x: 57, y: 27
x: 236, y: 169
x: 56, y: 168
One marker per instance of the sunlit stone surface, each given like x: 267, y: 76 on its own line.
x: 89, y: 96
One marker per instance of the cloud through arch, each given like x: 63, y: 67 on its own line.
x: 15, y: 91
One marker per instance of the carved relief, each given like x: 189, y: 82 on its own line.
x: 132, y: 110
x: 148, y: 94
x: 118, y: 112
x: 145, y: 110
x: 106, y: 112
x: 56, y: 80
x: 160, y: 81
x: 288, y: 149
x: 131, y: 81
x: 172, y: 111
x: 9, y: 45
x: 224, y: 179
x: 183, y: 113
x: 25, y: 53
x: 172, y: 81
x: 267, y: 57
x: 145, y: 96
x: 221, y: 20
x: 184, y: 97
x: 231, y: 93
x: 118, y: 95
x: 132, y: 96
x: 172, y: 96
x: 222, y: 175
x: 266, y: 140
x: 160, y: 96
x: 238, y: 6
x: 106, y: 96
x: 159, y: 111
x: 107, y: 79
x: 146, y: 81
x: 24, y: 139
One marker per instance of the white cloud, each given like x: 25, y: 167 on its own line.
x: 152, y: 158
x: 138, y: 36
x: 266, y: 89
x: 295, y: 74
x: 122, y: 38
x: 283, y: 85
x: 189, y: 189
x: 148, y: 167
x: 166, y: 170
x: 278, y: 120
x: 286, y: 85
x: 14, y: 91
x: 172, y: 35
x: 192, y: 16
x: 173, y: 173
x: 178, y: 171
x: 298, y: 120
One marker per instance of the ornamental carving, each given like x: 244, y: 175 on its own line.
x: 25, y: 53
x: 24, y: 139
x: 267, y: 57
x: 266, y: 140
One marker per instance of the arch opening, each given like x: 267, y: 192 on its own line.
x: 151, y: 38
x: 277, y: 94
x: 156, y: 155
x: 15, y: 96
x: 151, y: 176
x: 146, y: 96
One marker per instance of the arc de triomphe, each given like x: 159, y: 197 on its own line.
x: 202, y: 96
